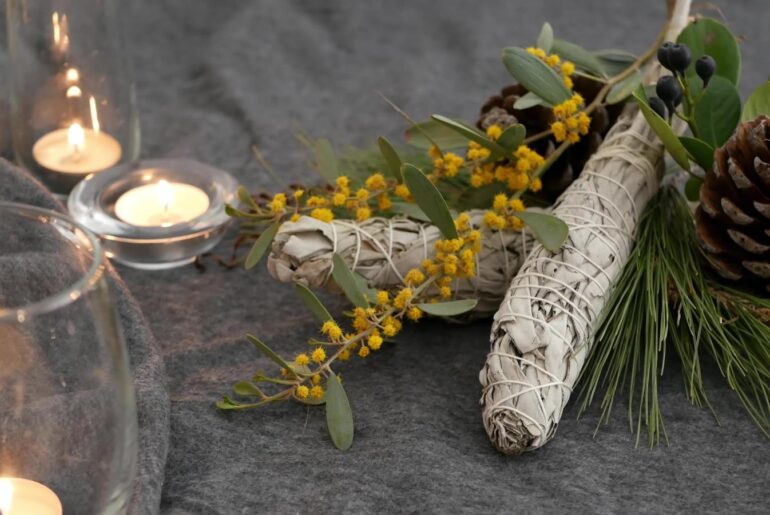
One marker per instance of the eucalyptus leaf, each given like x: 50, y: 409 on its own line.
x: 614, y: 61
x: 692, y: 189
x: 428, y: 197
x: 369, y: 293
x: 424, y: 134
x: 549, y: 230
x: 267, y: 351
x: 450, y: 308
x: 707, y: 36
x: 512, y: 137
x: 261, y: 245
x: 347, y: 282
x: 758, y: 103
x: 326, y: 160
x: 718, y: 111
x: 247, y: 389
x: 391, y: 158
x: 237, y: 213
x: 470, y: 132
x: 528, y: 100
x: 226, y: 403
x: 339, y: 416
x: 623, y: 89
x: 535, y: 75
x: 312, y: 303
x: 700, y: 151
x: 245, y: 198
x: 581, y: 57
x: 545, y: 39
x: 664, y: 132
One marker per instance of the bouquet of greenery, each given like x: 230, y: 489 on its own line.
x: 440, y: 227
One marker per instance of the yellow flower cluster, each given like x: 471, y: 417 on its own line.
x: 503, y: 213
x: 563, y: 68
x: 571, y: 121
x: 476, y: 152
x: 516, y: 172
x: 447, y: 166
x: 278, y: 204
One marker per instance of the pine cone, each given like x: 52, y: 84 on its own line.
x: 733, y: 218
x: 499, y: 110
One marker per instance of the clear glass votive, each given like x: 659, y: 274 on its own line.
x: 68, y: 427
x: 73, y: 101
x: 155, y: 214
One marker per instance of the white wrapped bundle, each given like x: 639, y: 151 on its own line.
x: 543, y: 331
x: 383, y: 250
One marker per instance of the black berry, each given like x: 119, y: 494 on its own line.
x: 678, y: 99
x: 679, y: 57
x: 658, y: 106
x: 668, y: 89
x: 663, y: 54
x: 705, y: 68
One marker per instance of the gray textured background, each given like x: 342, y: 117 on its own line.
x: 216, y: 77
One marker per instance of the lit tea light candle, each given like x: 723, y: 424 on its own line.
x: 161, y: 204
x: 24, y: 497
x: 77, y: 150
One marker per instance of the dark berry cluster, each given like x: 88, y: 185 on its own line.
x: 677, y: 58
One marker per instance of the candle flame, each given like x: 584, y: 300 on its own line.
x: 166, y: 194
x: 6, y: 494
x: 73, y: 75
x: 74, y: 92
x: 76, y: 137
x: 56, y: 28
x: 94, y: 114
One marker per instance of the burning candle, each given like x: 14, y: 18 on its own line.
x: 24, y: 497
x: 161, y: 204
x: 77, y: 150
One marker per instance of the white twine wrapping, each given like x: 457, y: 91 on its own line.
x: 383, y: 250
x: 542, y: 332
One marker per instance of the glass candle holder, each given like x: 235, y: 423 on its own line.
x: 156, y: 214
x: 68, y: 427
x: 73, y: 101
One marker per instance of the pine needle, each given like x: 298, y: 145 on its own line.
x: 663, y: 296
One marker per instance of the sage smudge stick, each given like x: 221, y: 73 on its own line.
x: 383, y: 250
x: 543, y: 330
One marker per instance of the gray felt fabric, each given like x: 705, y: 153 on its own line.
x: 216, y: 77
x: 145, y: 359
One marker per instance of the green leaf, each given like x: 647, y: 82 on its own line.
x: 347, y: 282
x: 708, y: 36
x: 226, y: 403
x: 428, y: 197
x: 758, y: 103
x: 450, y: 308
x: 664, y: 132
x: 552, y: 232
x: 623, y: 89
x: 545, y: 39
x: 470, y: 132
x: 363, y: 286
x: 247, y: 389
x: 339, y: 416
x: 718, y: 112
x: 391, y: 157
x: 700, y: 151
x: 421, y: 134
x: 245, y: 198
x: 312, y: 303
x: 535, y: 75
x: 267, y: 351
x: 261, y: 245
x: 411, y: 210
x: 581, y: 57
x: 512, y: 137
x: 326, y: 160
x: 528, y: 100
x: 614, y: 61
x: 692, y: 189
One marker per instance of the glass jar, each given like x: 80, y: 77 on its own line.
x: 68, y: 427
x: 73, y: 101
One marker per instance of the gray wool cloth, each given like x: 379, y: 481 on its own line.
x: 215, y: 78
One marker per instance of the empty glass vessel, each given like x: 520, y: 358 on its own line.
x: 73, y: 105
x: 68, y: 428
